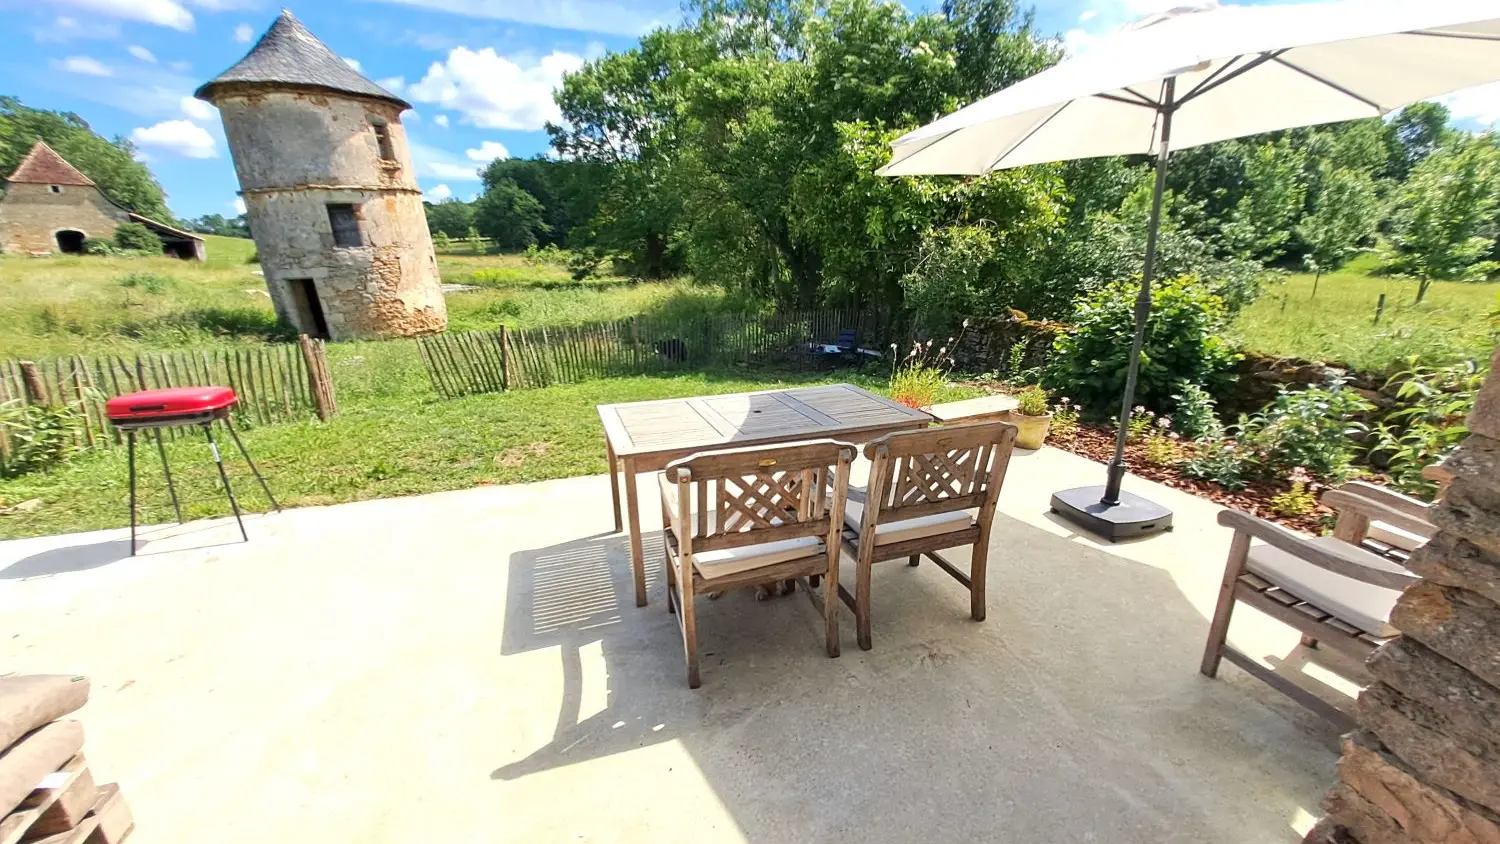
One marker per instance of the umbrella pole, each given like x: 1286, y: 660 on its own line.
x: 1142, y: 300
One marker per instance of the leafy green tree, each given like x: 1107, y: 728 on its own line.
x: 110, y: 163
x: 1444, y: 222
x: 452, y: 217
x: 1414, y: 134
x: 220, y: 225
x: 1345, y: 215
x: 510, y: 216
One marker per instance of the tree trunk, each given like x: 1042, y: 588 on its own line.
x: 656, y: 255
x: 1316, y: 279
x: 1422, y: 289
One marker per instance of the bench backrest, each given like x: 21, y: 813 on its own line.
x: 939, y: 470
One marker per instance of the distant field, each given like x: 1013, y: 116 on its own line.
x: 75, y: 304
x: 1454, y: 323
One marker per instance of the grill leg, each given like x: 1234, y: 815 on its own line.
x: 208, y: 431
x: 230, y: 425
x: 167, y: 470
x: 130, y: 450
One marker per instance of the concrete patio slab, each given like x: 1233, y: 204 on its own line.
x: 469, y: 666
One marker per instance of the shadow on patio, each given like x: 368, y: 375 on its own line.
x: 1074, y: 713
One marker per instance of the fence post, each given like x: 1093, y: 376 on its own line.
x: 1379, y: 308
x: 319, y: 385
x: 504, y: 359
x: 31, y: 379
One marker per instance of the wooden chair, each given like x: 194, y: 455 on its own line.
x: 1378, y: 535
x: 1336, y: 593
x: 922, y: 486
x: 751, y: 517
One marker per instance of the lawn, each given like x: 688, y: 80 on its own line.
x: 392, y: 437
x: 76, y: 304
x: 1455, y: 322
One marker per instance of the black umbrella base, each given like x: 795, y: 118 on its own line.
x: 1133, y: 516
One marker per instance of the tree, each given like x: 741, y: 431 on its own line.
x: 1345, y: 213
x: 110, y: 164
x: 452, y: 217
x: 138, y: 237
x: 1444, y: 223
x: 510, y: 216
x: 220, y: 225
x: 1414, y: 134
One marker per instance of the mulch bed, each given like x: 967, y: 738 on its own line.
x: 1098, y: 443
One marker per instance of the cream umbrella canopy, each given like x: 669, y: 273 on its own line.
x: 1192, y: 76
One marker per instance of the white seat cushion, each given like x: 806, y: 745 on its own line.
x: 727, y: 561
x: 1363, y: 605
x: 1395, y: 537
x: 854, y: 512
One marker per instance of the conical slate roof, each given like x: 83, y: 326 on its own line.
x: 288, y: 54
x: 43, y: 166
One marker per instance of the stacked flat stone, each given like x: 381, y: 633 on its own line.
x: 47, y: 793
x: 1424, y: 767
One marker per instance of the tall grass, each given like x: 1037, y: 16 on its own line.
x: 1338, y: 325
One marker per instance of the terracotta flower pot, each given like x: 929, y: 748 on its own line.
x: 1033, y: 429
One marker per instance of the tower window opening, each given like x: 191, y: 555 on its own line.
x: 383, y: 138
x: 345, y: 224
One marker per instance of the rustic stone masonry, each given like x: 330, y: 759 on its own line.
x: 1424, y: 767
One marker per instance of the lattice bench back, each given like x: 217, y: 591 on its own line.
x: 940, y: 470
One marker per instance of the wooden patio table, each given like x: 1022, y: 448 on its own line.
x: 646, y: 436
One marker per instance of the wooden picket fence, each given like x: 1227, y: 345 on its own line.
x: 460, y: 364
x: 276, y: 383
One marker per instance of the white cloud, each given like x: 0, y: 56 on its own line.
x: 1078, y: 41
x: 243, y: 33
x: 394, y: 84
x: 434, y: 163
x: 84, y: 65
x: 197, y: 109
x: 141, y: 53
x: 439, y: 193
x: 182, y: 67
x: 168, y: 13
x: 179, y: 137
x: 441, y: 120
x: 493, y: 92
x: 354, y: 63
x: 605, y: 16
x: 487, y: 152
x: 239, y: 205
x: 1088, y: 15
x: 1480, y: 104
x: 66, y: 28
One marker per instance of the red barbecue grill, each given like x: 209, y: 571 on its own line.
x: 178, y: 407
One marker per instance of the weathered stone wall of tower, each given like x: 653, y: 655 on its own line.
x: 297, y: 152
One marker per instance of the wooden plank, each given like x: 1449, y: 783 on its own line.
x: 113, y: 815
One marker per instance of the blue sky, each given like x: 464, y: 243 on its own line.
x: 479, y: 72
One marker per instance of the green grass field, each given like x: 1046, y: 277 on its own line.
x: 1454, y: 323
x: 74, y: 304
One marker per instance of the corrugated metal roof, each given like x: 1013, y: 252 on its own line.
x: 288, y: 54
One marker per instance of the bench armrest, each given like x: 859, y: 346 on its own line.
x: 1379, y: 506
x: 1298, y: 546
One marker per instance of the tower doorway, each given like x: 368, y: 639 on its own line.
x: 70, y: 241
x: 306, y: 309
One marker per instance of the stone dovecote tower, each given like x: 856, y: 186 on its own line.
x: 329, y: 191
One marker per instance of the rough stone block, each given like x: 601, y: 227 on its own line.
x: 1458, y: 624
x: 1485, y: 419
x: 1418, y: 811
x: 1328, y: 832
x: 1453, y: 561
x: 1417, y: 734
x: 1414, y: 670
x: 1360, y: 819
x: 1471, y: 509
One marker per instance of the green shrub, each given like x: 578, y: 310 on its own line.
x: 1220, y: 461
x: 1311, y: 429
x: 138, y: 237
x: 1032, y: 401
x: 1183, y: 343
x: 102, y: 248
x: 40, y: 437
x: 1195, y: 413
x: 1297, y: 501
x: 1430, y: 425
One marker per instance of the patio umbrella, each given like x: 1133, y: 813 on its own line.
x: 1192, y: 76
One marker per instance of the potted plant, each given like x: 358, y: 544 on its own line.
x: 1032, y: 417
